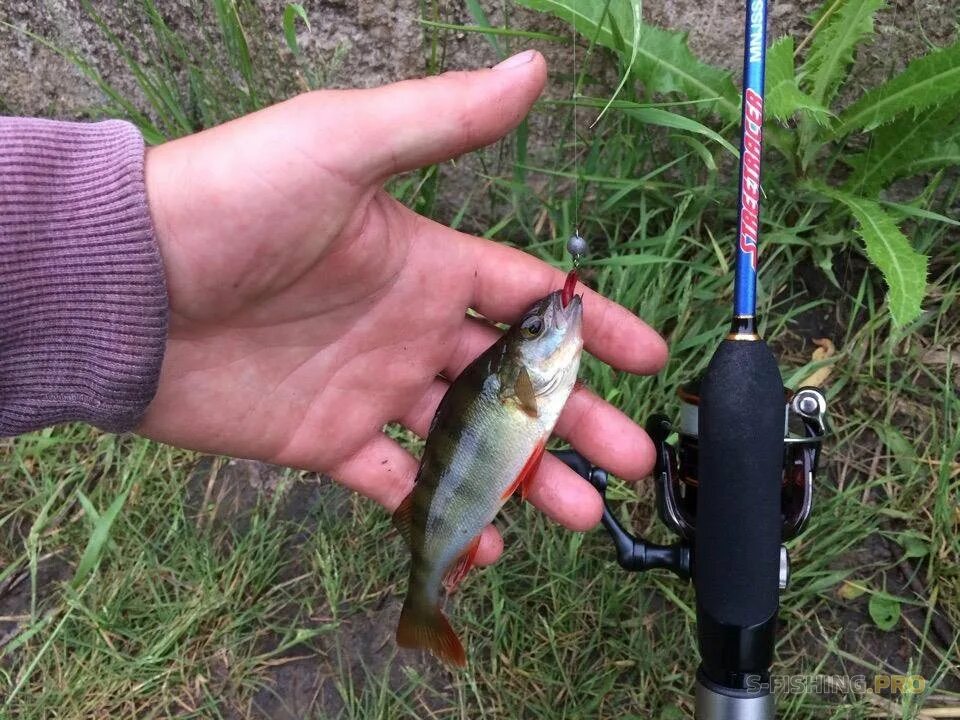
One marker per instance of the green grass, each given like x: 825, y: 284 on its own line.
x: 191, y: 608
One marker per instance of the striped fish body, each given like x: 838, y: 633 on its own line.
x: 486, y: 439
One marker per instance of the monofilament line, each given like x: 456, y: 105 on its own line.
x: 576, y: 154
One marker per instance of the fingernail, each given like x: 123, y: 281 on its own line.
x: 516, y: 60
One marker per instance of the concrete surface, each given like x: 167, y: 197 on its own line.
x: 382, y: 40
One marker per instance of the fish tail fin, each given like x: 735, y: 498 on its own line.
x: 424, y: 626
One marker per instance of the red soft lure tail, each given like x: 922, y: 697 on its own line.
x: 568, y: 287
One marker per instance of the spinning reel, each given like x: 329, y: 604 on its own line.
x: 676, y: 480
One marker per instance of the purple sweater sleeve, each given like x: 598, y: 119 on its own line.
x: 83, y: 305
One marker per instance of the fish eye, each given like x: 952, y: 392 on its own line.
x: 532, y: 326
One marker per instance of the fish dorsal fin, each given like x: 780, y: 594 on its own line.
x: 525, y: 393
x: 403, y: 515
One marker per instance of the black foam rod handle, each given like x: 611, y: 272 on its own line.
x: 737, y: 552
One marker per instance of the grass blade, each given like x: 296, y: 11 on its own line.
x: 637, y: 22
x: 665, y: 118
x: 99, y: 537
x: 480, y: 18
x: 290, y: 14
x: 501, y: 31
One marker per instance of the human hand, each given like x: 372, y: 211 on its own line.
x: 308, y: 308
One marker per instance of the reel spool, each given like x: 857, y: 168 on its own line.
x: 677, y: 469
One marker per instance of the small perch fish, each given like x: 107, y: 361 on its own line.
x: 485, y: 442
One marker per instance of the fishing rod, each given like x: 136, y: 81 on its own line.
x: 739, y: 480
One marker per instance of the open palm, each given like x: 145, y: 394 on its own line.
x: 309, y: 308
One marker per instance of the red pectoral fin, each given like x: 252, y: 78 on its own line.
x: 461, y: 566
x: 525, y: 479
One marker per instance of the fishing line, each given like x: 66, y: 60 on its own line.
x: 576, y: 245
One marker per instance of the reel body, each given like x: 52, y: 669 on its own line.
x: 676, y: 479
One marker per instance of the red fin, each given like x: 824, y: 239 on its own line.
x: 525, y: 478
x: 402, y: 515
x: 461, y: 566
x: 429, y: 630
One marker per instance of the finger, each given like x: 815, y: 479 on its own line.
x: 607, y: 437
x: 382, y: 470
x: 491, y: 546
x: 556, y: 490
x: 564, y: 496
x: 601, y: 432
x: 420, y: 122
x: 420, y: 415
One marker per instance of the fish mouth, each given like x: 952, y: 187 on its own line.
x: 565, y: 318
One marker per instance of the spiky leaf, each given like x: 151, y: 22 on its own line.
x: 904, y: 269
x: 928, y: 81
x: 831, y: 51
x: 663, y: 61
x: 896, y: 147
x: 943, y: 153
x: 784, y: 96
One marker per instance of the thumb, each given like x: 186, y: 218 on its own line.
x: 413, y: 123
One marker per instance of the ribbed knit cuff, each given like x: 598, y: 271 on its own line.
x: 83, y: 305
